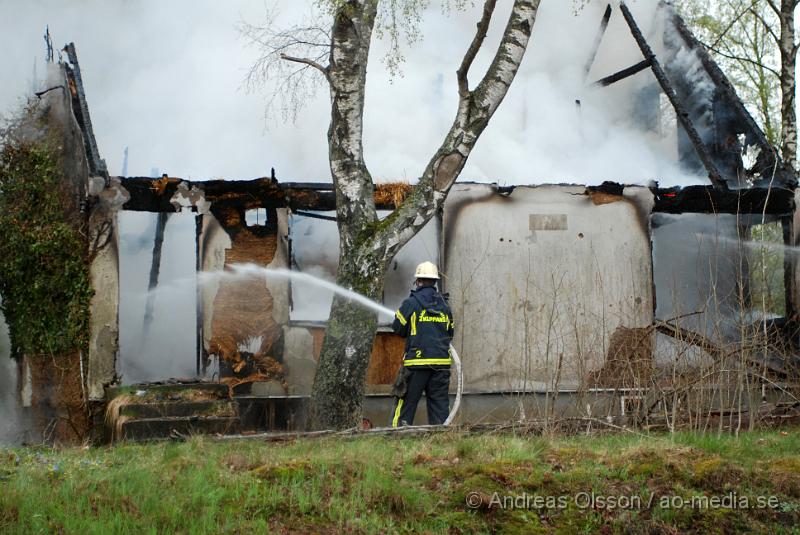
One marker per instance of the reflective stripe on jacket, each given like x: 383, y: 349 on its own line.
x: 426, y: 322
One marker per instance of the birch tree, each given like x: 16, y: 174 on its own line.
x: 755, y: 42
x: 787, y: 46
x: 367, y: 244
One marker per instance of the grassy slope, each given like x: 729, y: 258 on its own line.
x: 390, y: 484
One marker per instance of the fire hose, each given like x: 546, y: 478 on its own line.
x: 459, y: 385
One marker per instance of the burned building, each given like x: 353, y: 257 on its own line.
x: 612, y: 298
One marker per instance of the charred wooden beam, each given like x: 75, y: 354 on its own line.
x: 683, y: 116
x: 768, y: 160
x: 624, y: 73
x: 144, y: 197
x: 609, y: 188
x: 97, y: 165
x: 155, y: 269
x: 710, y: 200
x: 315, y: 215
x: 690, y: 338
x: 597, y: 40
x: 201, y: 364
x: 42, y: 93
x: 156, y: 195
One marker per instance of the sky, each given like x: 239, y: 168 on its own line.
x: 166, y: 80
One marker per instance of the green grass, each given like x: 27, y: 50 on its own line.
x: 388, y: 484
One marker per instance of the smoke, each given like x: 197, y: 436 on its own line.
x: 172, y: 93
x: 167, y: 349
x: 169, y: 86
x: 539, y: 134
x: 9, y: 400
x: 315, y: 251
x: 698, y: 264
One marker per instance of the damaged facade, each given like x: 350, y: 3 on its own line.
x: 602, y: 288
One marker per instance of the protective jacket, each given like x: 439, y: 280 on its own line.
x: 426, y: 322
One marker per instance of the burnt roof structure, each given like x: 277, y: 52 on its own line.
x: 730, y: 131
x: 716, y: 133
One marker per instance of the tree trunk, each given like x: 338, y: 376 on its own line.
x: 365, y: 246
x: 341, y: 371
x: 788, y: 51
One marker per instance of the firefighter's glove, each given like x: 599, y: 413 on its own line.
x: 401, y: 382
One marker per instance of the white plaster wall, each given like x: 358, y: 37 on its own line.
x: 279, y: 287
x: 536, y: 308
x: 298, y: 360
x: 104, y: 319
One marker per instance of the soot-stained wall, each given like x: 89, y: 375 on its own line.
x: 538, y: 293
x: 546, y: 297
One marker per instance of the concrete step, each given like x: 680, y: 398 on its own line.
x: 163, y: 409
x: 163, y: 428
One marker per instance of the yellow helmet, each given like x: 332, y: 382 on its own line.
x: 427, y: 270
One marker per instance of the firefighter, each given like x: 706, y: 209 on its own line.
x: 426, y: 322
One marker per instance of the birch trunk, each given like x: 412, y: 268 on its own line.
x: 788, y: 51
x: 339, y: 382
x: 367, y: 246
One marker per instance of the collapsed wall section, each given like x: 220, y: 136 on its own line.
x: 244, y: 334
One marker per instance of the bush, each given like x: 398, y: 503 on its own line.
x: 44, y: 273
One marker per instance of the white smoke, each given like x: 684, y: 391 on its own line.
x: 315, y: 251
x: 539, y: 134
x: 167, y: 349
x: 9, y: 400
x: 172, y: 92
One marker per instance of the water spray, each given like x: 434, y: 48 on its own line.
x: 252, y: 270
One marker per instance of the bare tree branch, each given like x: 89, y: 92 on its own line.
x: 474, y: 47
x: 474, y: 111
x: 306, y: 61
x: 774, y: 7
x: 765, y: 24
x: 745, y: 60
x: 289, y: 88
x: 731, y: 24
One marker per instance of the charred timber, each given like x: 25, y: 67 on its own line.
x: 146, y: 196
x: 597, y: 40
x: 710, y: 200
x: 680, y: 112
x: 768, y: 161
x: 155, y: 269
x: 315, y: 215
x: 81, y: 109
x: 624, y: 73
x: 780, y: 366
